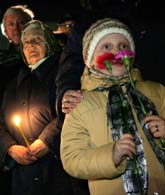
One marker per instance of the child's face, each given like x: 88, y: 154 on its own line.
x: 112, y: 43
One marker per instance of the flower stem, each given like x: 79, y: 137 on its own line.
x: 141, y: 104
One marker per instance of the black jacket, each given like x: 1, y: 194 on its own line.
x: 32, y: 96
x: 10, y: 62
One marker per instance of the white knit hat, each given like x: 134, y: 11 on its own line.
x: 100, y: 29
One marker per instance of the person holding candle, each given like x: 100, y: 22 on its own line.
x: 13, y: 20
x: 115, y: 137
x: 29, y: 137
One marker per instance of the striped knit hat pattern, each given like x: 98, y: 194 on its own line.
x: 100, y: 29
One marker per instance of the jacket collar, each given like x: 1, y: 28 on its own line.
x: 41, y: 72
x: 90, y: 81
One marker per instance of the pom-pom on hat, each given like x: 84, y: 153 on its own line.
x: 100, y: 29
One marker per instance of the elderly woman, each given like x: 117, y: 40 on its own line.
x: 115, y: 136
x: 30, y: 149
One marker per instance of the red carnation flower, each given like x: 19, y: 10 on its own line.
x: 104, y: 61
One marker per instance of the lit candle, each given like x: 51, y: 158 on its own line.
x: 17, y: 121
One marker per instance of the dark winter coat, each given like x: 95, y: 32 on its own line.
x: 10, y: 62
x: 32, y: 96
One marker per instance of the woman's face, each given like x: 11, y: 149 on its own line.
x: 34, y: 46
x: 112, y: 43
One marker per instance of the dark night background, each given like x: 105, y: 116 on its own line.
x: 52, y: 10
x: 46, y: 10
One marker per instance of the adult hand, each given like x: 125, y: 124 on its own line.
x: 38, y: 148
x: 156, y: 124
x: 70, y: 99
x: 21, y: 155
x: 123, y: 148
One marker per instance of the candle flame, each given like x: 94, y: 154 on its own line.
x: 17, y: 120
